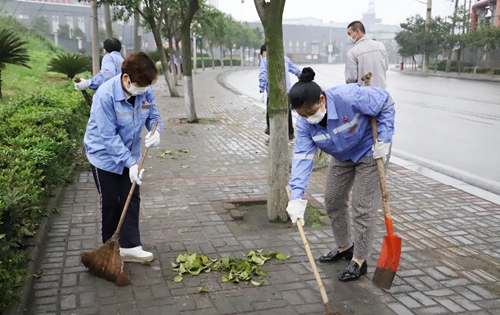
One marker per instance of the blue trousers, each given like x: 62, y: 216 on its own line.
x: 113, y: 191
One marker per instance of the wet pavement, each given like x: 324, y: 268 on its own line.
x: 450, y: 262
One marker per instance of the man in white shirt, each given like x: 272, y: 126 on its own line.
x: 367, y: 55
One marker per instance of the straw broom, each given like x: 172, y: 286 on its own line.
x: 105, y: 261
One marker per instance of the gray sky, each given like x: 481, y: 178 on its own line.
x: 390, y: 11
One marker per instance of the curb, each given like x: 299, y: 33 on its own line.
x: 37, y: 246
x: 449, y: 75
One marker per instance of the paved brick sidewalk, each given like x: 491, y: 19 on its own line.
x: 450, y: 262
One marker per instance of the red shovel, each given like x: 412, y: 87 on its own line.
x: 391, y: 246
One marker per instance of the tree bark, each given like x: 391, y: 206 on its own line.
x: 201, y: 54
x: 156, y: 29
x: 137, y: 38
x: 212, y: 54
x: 271, y: 16
x: 171, y: 52
x: 221, y: 57
x: 95, y: 38
x: 193, y: 6
x: 107, y: 20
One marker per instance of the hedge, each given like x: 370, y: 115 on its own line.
x: 39, y: 137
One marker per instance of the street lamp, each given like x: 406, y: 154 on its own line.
x: 330, y: 46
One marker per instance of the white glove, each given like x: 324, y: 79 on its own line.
x: 381, y: 150
x: 82, y: 85
x: 135, y: 175
x: 296, y: 209
x: 152, y: 140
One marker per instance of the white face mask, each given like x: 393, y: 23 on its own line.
x: 351, y: 40
x: 316, y: 118
x: 136, y: 90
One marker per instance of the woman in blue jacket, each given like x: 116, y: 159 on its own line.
x: 337, y: 121
x: 122, y: 106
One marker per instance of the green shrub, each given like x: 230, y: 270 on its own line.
x: 38, y: 140
x: 454, y: 65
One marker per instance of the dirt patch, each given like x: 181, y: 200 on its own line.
x: 57, y: 79
x: 251, y: 217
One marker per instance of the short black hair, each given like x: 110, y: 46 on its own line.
x: 112, y: 44
x: 263, y: 49
x: 357, y: 25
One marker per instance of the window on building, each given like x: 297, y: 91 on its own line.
x: 23, y: 17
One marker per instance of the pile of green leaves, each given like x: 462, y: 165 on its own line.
x: 238, y: 269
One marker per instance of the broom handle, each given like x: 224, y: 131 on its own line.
x: 86, y: 95
x: 381, y: 169
x: 383, y: 185
x: 311, y: 259
x: 129, y: 197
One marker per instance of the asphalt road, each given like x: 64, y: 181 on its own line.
x: 449, y: 125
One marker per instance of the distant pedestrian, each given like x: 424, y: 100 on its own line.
x: 111, y: 66
x: 337, y: 121
x: 367, y: 55
x: 264, y: 87
x: 122, y: 106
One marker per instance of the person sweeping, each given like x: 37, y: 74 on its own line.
x: 122, y: 106
x: 337, y: 121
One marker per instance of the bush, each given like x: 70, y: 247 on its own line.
x: 38, y: 140
x: 217, y: 63
x: 454, y: 65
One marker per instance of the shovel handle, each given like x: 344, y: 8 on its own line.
x: 132, y: 188
x: 383, y: 185
x: 311, y: 260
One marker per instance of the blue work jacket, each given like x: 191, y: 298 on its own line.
x: 113, y: 136
x: 348, y: 133
x: 290, y: 67
x: 111, y: 66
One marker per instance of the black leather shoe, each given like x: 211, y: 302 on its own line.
x: 353, y: 271
x: 335, y: 255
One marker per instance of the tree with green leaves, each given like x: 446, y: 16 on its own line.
x: 414, y: 39
x: 152, y: 12
x: 41, y: 25
x: 483, y: 39
x: 63, y: 31
x: 78, y: 33
x: 12, y: 51
x: 271, y: 16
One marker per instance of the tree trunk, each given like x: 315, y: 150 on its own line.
x: 171, y: 52
x: 271, y: 15
x: 221, y: 57
x: 95, y: 39
x: 212, y: 54
x: 186, y: 56
x: 163, y: 57
x: 1, y: 83
x: 231, y: 57
x: 201, y: 54
x: 137, y: 38
x: 179, y: 65
x: 107, y: 20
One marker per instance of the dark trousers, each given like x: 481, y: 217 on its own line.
x: 113, y: 191
x: 290, y: 123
